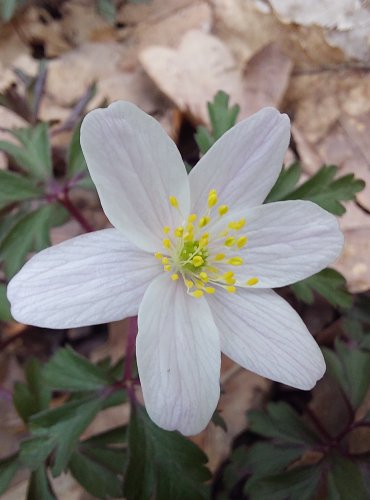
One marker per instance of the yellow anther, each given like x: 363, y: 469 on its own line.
x: 166, y: 229
x: 174, y: 202
x: 230, y: 289
x: 188, y: 236
x: 235, y: 261
x: 229, y: 242
x: 190, y: 227
x: 223, y: 209
x: 229, y: 278
x: 197, y: 261
x: 165, y: 260
x: 197, y: 294
x: 179, y: 231
x: 188, y: 283
x: 252, y: 281
x: 209, y: 289
x: 212, y: 269
x: 158, y: 255
x: 237, y: 224
x: 203, y: 242
x: 203, y: 276
x: 167, y: 243
x: 212, y: 198
x: 192, y: 217
x: 167, y: 268
x: 242, y: 241
x: 174, y: 277
x: 203, y: 221
x: 219, y: 256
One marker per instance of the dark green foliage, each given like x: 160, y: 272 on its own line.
x: 162, y: 464
x: 222, y: 118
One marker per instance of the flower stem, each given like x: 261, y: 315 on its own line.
x: 130, y: 349
x: 65, y: 200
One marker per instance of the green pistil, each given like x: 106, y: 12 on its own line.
x: 188, y: 251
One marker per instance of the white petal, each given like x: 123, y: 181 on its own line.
x: 178, y: 355
x: 261, y: 332
x: 135, y: 167
x: 244, y: 163
x: 287, y: 242
x: 94, y: 278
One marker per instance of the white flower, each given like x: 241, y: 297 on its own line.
x: 194, y: 256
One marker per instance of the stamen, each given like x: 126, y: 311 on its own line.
x: 235, y: 261
x: 230, y: 289
x: 165, y: 260
x: 203, y: 276
x: 209, y: 289
x: 203, y: 221
x: 219, y: 256
x: 252, y: 281
x: 192, y: 217
x: 197, y: 294
x: 174, y: 202
x: 237, y: 224
x: 167, y: 268
x: 166, y: 229
x: 212, y: 198
x: 197, y: 261
x: 167, y: 243
x: 179, y: 231
x: 229, y: 242
x: 158, y: 255
x: 223, y: 209
x: 188, y: 283
x: 174, y: 277
x: 242, y: 241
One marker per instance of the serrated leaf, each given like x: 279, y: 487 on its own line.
x: 70, y: 371
x: 34, y: 153
x: 280, y: 421
x: 32, y: 396
x: 351, y: 369
x: 39, y: 487
x: 162, y: 464
x: 29, y: 233
x: 8, y: 468
x: 14, y: 187
x: 345, y: 481
x: 63, y: 426
x: 5, y: 314
x: 76, y: 162
x: 285, y: 184
x: 222, y: 118
x: 297, y: 484
x: 328, y: 283
x: 322, y: 188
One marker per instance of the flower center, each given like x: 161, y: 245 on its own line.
x: 205, y: 260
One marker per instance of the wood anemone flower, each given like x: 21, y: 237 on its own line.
x: 194, y: 256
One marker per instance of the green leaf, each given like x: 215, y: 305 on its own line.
x: 39, y: 487
x: 14, y: 187
x: 29, y: 233
x: 322, y: 188
x: 32, y: 396
x: 70, y: 371
x: 35, y: 450
x: 76, y: 163
x: 222, y: 118
x: 8, y: 468
x: 5, y: 314
x: 328, y: 283
x: 285, y: 184
x: 118, y: 435
x: 345, y: 481
x: 34, y: 154
x: 98, y: 467
x: 63, y: 426
x: 162, y: 464
x: 107, y: 9
x: 280, y: 421
x: 203, y: 139
x: 351, y: 369
x: 296, y: 484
